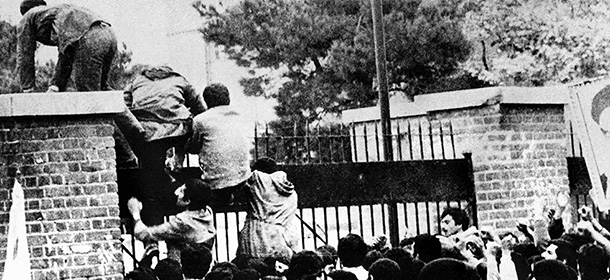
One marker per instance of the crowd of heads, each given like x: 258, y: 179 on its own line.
x: 458, y: 251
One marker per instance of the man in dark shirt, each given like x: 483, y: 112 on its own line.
x: 163, y: 103
x: 85, y: 42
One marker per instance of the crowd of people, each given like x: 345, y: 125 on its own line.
x: 163, y: 111
x: 460, y: 252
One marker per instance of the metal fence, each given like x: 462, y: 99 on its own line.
x: 345, y: 185
x: 338, y: 149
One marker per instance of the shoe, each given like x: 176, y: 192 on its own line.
x: 129, y: 164
x: 150, y: 253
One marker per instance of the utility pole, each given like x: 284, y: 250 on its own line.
x: 384, y: 106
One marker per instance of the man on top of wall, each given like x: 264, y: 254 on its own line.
x: 85, y: 42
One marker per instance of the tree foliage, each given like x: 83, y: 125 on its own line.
x: 317, y: 56
x: 8, y: 58
x: 539, y: 42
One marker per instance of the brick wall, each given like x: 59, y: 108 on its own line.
x: 519, y: 159
x: 519, y: 146
x: 67, y: 166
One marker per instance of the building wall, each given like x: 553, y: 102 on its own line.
x: 67, y: 166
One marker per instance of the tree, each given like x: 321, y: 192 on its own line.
x: 8, y: 58
x: 317, y: 58
x: 538, y: 42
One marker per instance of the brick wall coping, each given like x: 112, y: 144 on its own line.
x: 426, y: 103
x: 61, y: 103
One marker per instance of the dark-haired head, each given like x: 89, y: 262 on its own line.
x: 247, y: 274
x: 448, y: 269
x: 169, y: 269
x: 198, y: 193
x: 304, y: 265
x: 553, y: 270
x: 352, y: 250
x: 459, y: 217
x: 26, y: 5
x: 342, y: 275
x: 385, y: 269
x: 216, y: 95
x: 370, y: 258
x: 228, y: 267
x: 427, y: 247
x: 265, y: 164
x: 593, y: 262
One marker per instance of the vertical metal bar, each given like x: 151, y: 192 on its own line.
x: 372, y: 219
x: 452, y: 139
x: 410, y: 140
x: 307, y: 142
x: 331, y: 150
x: 421, y: 141
x: 417, y: 217
x: 320, y: 147
x: 428, y: 216
x: 377, y: 142
x: 237, y: 222
x: 572, y: 139
x: 355, y: 148
x: 398, y: 140
x: 267, y: 140
x: 337, y: 223
x: 216, y: 237
x: 431, y: 139
x: 133, y: 249
x: 366, y: 145
x: 255, y: 141
x: 349, y: 219
x: 341, y: 137
x: 383, y: 219
x: 442, y: 139
x: 360, y: 220
x: 302, y: 227
x: 314, y: 226
x: 406, y: 215
x: 438, y: 216
x: 326, y: 225
x: 227, y: 233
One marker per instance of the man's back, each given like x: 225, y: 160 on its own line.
x: 163, y: 101
x: 219, y: 137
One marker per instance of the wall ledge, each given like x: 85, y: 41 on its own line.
x: 426, y: 103
x: 61, y: 103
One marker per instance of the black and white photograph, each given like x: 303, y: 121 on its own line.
x: 304, y: 139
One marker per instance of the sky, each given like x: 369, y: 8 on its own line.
x: 163, y: 32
